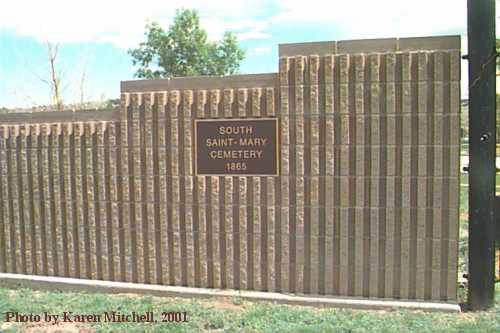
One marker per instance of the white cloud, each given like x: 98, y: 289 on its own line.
x: 260, y: 50
x: 122, y: 24
x: 245, y: 29
x: 118, y: 22
x: 253, y: 35
x: 372, y: 19
x: 358, y: 19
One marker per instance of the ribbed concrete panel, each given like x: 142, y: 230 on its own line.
x: 390, y: 140
x: 365, y: 204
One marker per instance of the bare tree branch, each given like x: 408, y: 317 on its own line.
x: 55, y: 79
x: 83, y: 80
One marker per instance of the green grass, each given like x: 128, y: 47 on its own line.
x: 205, y: 316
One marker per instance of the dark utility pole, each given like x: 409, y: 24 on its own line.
x: 482, y: 137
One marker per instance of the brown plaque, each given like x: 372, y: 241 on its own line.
x: 236, y: 146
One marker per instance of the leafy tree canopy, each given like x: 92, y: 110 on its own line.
x: 184, y: 50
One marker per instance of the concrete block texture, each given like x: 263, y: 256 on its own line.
x: 365, y: 203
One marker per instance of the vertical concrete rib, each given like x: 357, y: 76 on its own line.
x: 111, y: 194
x: 263, y: 232
x: 154, y: 204
x: 12, y: 199
x: 208, y: 211
x: 3, y: 208
x: 285, y: 75
x: 312, y: 162
x: 291, y: 212
x: 34, y: 197
x: 368, y: 222
x: 240, y: 221
x: 374, y: 175
x: 305, y: 169
x: 35, y: 203
x: 184, y: 105
x: 100, y: 217
x: 23, y: 166
x: 202, y: 255
x: 214, y: 203
x: 5, y: 193
x: 55, y: 198
x: 160, y: 190
x: 226, y: 227
x: 188, y: 111
x: 136, y: 149
x: 416, y: 216
x: 130, y: 187
x: 328, y: 167
x: 47, y: 196
x: 270, y: 246
x: 63, y: 166
x: 454, y: 191
x: 74, y: 174
x: 401, y: 246
x: 404, y: 130
x: 169, y: 270
x: 298, y: 244
x: 123, y: 172
x: 438, y: 186
x: 447, y: 181
x: 420, y: 58
x: 345, y: 169
x: 68, y: 176
x: 8, y: 195
x: 391, y: 215
x: 24, y: 228
x: 175, y: 254
x: 336, y: 171
x: 255, y: 233
x: 147, y: 215
x: 79, y: 207
x: 359, y: 137
x: 90, y: 197
x: 235, y: 219
x: 17, y: 202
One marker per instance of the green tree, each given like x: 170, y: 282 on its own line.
x: 184, y: 50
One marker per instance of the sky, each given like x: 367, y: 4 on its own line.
x: 94, y: 36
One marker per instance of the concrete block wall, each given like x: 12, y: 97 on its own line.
x: 215, y: 231
x: 55, y: 202
x: 366, y: 202
x: 372, y: 144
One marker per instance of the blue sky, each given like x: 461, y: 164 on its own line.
x: 94, y: 36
